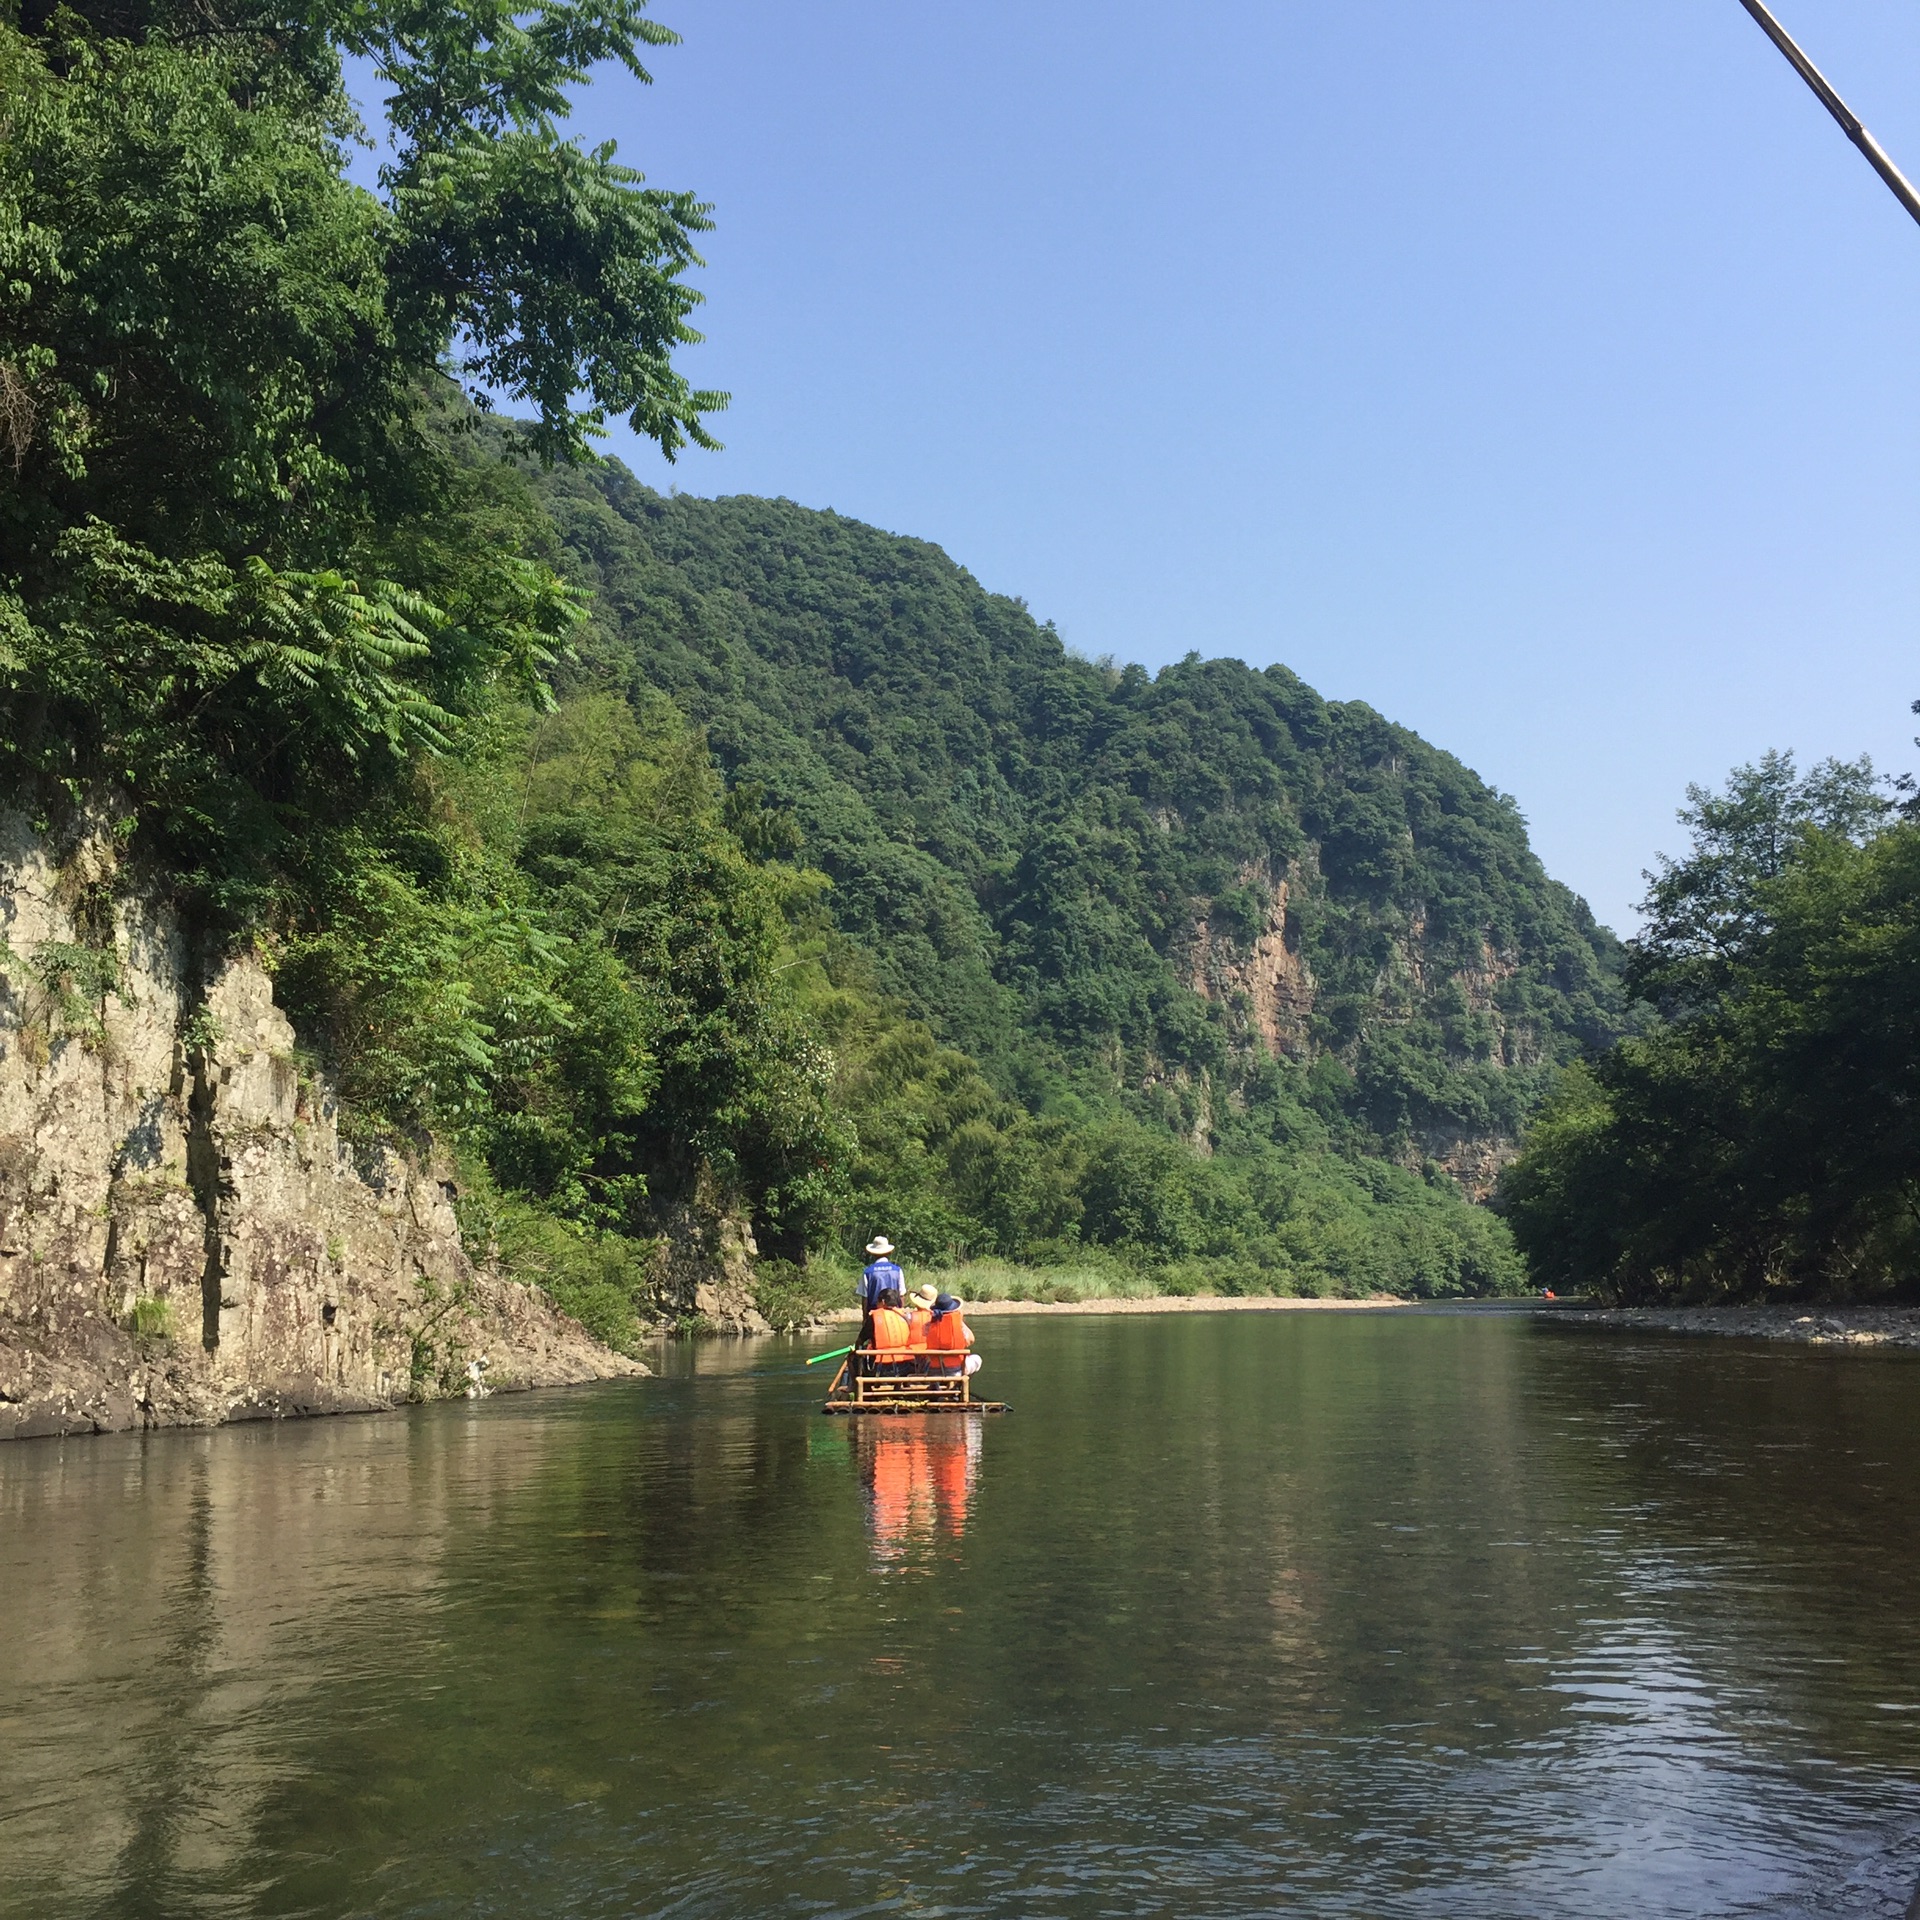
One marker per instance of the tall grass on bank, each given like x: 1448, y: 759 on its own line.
x: 791, y: 1296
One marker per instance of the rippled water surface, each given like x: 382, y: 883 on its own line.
x: 1423, y: 1614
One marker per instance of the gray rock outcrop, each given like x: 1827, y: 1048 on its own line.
x: 185, y: 1237
x: 706, y: 1274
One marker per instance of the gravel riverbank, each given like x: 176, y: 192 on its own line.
x: 1822, y: 1326
x: 1157, y: 1303
x: 1811, y: 1326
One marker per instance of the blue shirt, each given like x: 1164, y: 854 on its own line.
x: 877, y: 1279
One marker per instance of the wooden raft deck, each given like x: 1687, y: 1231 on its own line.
x: 904, y: 1393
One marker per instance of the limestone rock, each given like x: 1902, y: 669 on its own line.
x: 708, y: 1266
x: 1269, y: 982
x: 185, y: 1238
x: 1270, y: 994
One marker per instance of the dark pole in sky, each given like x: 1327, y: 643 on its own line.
x: 1903, y: 189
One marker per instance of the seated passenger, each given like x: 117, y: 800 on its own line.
x: 892, y: 1334
x: 948, y: 1338
x: 922, y: 1303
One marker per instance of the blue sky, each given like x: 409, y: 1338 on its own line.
x: 1543, y: 374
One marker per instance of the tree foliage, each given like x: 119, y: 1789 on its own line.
x: 552, y: 952
x: 244, y: 573
x: 1761, y: 1139
x: 830, y: 885
x: 1023, y: 850
x: 1042, y: 856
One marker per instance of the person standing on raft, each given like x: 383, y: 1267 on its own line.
x: 882, y: 1277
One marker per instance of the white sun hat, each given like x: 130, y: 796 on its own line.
x: 879, y: 1245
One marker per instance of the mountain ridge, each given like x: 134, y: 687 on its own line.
x: 1096, y: 880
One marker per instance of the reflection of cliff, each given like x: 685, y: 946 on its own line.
x: 918, y: 1477
x: 182, y: 1614
x: 185, y: 1238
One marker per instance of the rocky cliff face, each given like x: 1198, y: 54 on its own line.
x: 1266, y: 982
x: 706, y: 1267
x: 185, y: 1238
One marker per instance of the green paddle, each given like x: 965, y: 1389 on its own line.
x: 834, y: 1355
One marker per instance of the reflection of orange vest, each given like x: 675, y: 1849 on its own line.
x: 948, y: 1334
x: 889, y: 1329
x: 894, y: 1473
x: 952, y: 1481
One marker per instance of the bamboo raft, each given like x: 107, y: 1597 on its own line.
x: 902, y: 1393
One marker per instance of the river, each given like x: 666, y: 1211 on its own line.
x: 1404, y: 1614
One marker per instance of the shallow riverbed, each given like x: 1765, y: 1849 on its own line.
x: 1345, y: 1614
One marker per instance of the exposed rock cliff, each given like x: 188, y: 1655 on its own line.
x: 706, y: 1268
x: 1263, y: 978
x: 1266, y: 981
x: 184, y: 1236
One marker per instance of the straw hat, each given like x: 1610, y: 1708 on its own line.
x: 924, y: 1297
x: 879, y: 1245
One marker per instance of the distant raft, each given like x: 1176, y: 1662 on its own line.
x: 901, y: 1392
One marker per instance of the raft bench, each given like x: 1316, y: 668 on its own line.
x: 902, y: 1392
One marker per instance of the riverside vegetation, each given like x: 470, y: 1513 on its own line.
x: 1759, y: 1139
x: 651, y: 853
x: 1198, y: 975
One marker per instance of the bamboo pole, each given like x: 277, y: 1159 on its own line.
x: 1878, y: 158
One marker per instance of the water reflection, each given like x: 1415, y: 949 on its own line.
x: 918, y: 1477
x: 1386, y: 1619
x: 183, y: 1609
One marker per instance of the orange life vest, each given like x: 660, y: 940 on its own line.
x: 917, y: 1328
x: 948, y: 1334
x: 890, y: 1331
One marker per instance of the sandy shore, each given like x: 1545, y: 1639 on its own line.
x: 1816, y: 1327
x: 1183, y: 1303
x: 1811, y: 1326
x: 1158, y: 1303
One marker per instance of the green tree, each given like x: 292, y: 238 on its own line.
x: 244, y: 573
x: 1761, y: 1139
x: 1706, y: 913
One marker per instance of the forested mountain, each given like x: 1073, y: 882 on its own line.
x: 1211, y: 892
x: 675, y: 868
x: 669, y: 867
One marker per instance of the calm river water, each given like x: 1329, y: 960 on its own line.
x: 1413, y: 1614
